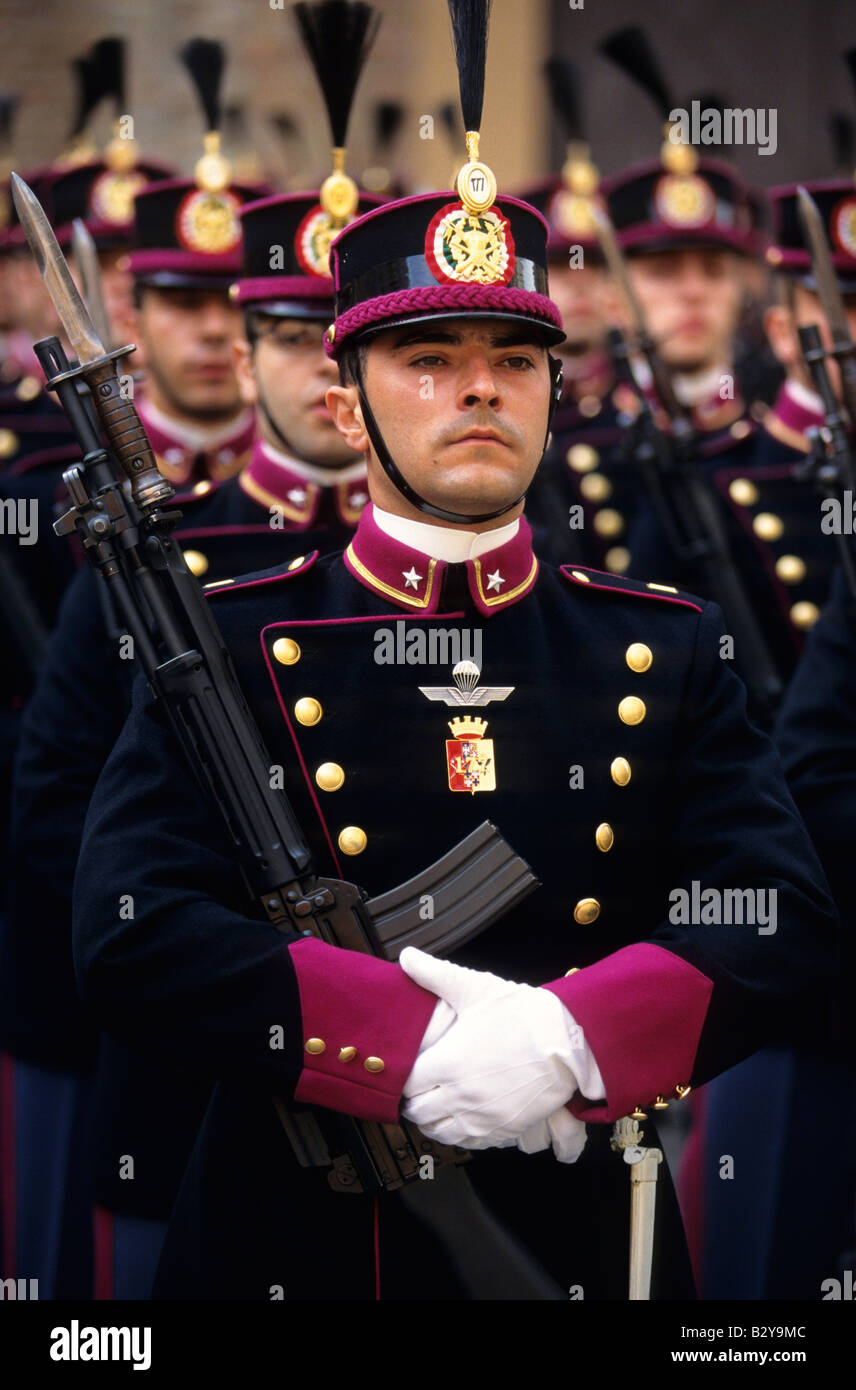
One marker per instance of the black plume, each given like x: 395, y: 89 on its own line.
x: 850, y: 60
x: 388, y: 117
x: 710, y: 101
x: 205, y: 60
x: 630, y: 50
x: 100, y: 73
x: 564, y: 82
x: 470, y: 19
x: 338, y: 36
x: 8, y: 107
x: 842, y: 130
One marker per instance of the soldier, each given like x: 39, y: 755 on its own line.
x: 678, y: 789
x: 301, y: 491
x: 583, y: 470
x: 749, y: 1214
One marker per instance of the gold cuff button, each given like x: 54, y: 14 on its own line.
x: 307, y: 711
x: 587, y: 911
x: 196, y: 562
x: 604, y: 837
x: 631, y: 710
x: 573, y: 971
x: 619, y: 771
x: 662, y: 588
x: 638, y: 657
x: 286, y: 651
x: 296, y: 563
x: 352, y: 840
x: 316, y: 1046
x: 347, y: 1054
x: 638, y: 1113
x: 661, y: 1103
x: 374, y: 1064
x: 580, y: 577
x: 330, y: 777
x: 682, y: 1091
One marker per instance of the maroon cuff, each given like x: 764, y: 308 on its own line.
x: 641, y: 1011
x: 362, y: 1021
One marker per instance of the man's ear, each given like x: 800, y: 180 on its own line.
x: 242, y: 359
x: 781, y: 334
x: 343, y: 403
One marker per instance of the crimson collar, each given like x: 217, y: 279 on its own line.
x: 272, y: 483
x: 181, y: 464
x: 414, y: 580
x: 788, y: 419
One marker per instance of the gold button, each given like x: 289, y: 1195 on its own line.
x: 595, y: 487
x: 589, y: 406
x: 774, y: 255
x: 638, y: 657
x: 196, y: 562
x: 740, y: 429
x: 28, y: 388
x: 295, y: 564
x: 638, y: 1114
x: 682, y: 1091
x: 631, y: 710
x: 608, y: 522
x: 619, y: 771
x: 661, y: 1103
x: 767, y: 526
x: 330, y: 777
x: 617, y: 559
x: 573, y: 971
x: 662, y: 588
x: 286, y: 651
x: 8, y: 443
x: 316, y: 1046
x: 580, y: 577
x: 805, y: 614
x: 790, y: 569
x: 347, y: 1054
x: 204, y: 485
x: 587, y: 911
x: 743, y: 492
x: 352, y: 840
x: 582, y: 458
x: 374, y: 1064
x: 604, y: 837
x: 307, y: 711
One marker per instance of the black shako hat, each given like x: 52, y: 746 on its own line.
x: 405, y: 263
x: 836, y: 203
x: 285, y: 256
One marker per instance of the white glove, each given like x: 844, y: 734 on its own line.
x: 503, y: 1071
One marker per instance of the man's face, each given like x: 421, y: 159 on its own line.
x: 781, y: 325
x: 581, y: 298
x: 287, y: 371
x: 462, y: 406
x: 186, y: 336
x: 691, y: 299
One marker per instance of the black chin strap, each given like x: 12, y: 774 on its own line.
x: 285, y: 444
x: 397, y: 478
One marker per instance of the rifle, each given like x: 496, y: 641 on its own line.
x: 119, y: 507
x: 688, y: 510
x: 830, y: 466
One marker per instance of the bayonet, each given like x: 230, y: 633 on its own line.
x: 843, y: 348
x: 86, y: 260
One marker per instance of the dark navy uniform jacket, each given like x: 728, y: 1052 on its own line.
x: 68, y: 729
x: 772, y: 521
x: 609, y: 677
